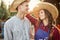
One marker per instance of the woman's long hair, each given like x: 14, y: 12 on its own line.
x: 50, y: 18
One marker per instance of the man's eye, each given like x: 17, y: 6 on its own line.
x: 26, y: 5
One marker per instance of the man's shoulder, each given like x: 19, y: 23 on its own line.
x: 10, y: 20
x: 27, y: 19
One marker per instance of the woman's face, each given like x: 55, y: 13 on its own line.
x: 42, y: 14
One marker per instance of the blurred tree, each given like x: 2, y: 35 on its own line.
x: 3, y: 11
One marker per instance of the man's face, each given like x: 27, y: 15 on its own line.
x: 23, y: 7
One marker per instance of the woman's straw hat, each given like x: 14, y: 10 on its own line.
x: 48, y: 6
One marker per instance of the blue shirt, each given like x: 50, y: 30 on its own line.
x: 41, y: 34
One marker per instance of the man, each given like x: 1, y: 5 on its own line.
x: 17, y: 27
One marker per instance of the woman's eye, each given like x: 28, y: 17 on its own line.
x: 41, y: 12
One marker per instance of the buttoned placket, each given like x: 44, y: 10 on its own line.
x: 24, y: 29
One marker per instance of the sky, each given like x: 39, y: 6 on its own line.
x: 33, y: 2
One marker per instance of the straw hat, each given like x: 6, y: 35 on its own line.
x: 15, y: 4
x: 48, y: 6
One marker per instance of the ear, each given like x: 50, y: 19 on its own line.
x: 19, y: 6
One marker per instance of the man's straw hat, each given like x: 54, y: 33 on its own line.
x: 15, y: 4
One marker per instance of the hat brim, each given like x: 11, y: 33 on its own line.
x: 15, y: 4
x: 48, y: 6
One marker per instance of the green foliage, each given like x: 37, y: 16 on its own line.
x: 3, y: 12
x: 12, y: 14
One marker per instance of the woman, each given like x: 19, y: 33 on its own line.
x: 47, y: 14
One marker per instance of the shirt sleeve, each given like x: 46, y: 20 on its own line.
x: 7, y: 32
x: 32, y: 20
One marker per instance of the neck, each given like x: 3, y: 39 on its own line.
x: 20, y: 15
x: 45, y: 22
